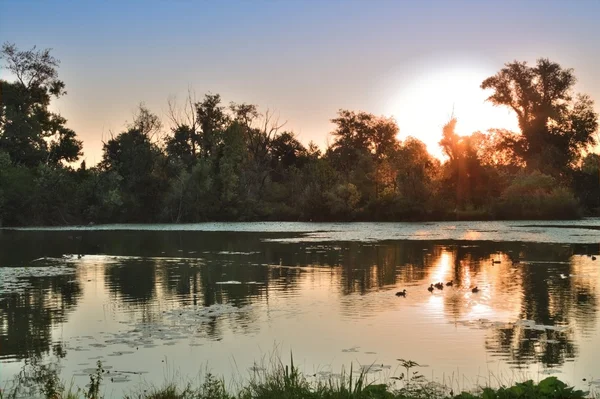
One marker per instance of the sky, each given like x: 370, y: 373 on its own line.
x: 417, y: 61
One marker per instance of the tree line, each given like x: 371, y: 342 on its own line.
x: 220, y: 162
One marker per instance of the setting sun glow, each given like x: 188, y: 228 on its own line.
x: 427, y: 102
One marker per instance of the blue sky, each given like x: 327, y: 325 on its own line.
x: 302, y: 59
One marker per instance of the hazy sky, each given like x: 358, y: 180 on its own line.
x: 415, y: 61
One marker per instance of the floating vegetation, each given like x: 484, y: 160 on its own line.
x: 236, y: 252
x: 525, y: 324
x: 532, y: 325
x: 235, y: 282
x: 322, y: 248
x: 176, y: 325
x: 354, y: 349
x: 16, y: 279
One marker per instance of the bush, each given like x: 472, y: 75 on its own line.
x: 536, y: 196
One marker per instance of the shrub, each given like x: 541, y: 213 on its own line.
x: 536, y: 196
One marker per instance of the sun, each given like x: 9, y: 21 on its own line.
x: 432, y: 96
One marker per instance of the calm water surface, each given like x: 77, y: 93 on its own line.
x: 172, y: 301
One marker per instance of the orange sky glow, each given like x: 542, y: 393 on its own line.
x: 417, y: 61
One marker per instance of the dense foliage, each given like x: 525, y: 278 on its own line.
x: 232, y: 163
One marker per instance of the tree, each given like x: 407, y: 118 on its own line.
x: 232, y: 196
x: 190, y: 196
x: 213, y: 121
x: 180, y: 146
x: 536, y: 196
x: 259, y: 132
x: 198, y: 129
x: 466, y: 174
x: 29, y: 132
x: 141, y: 164
x: 357, y: 132
x: 416, y: 170
x: 363, y: 145
x: 586, y: 182
x: 286, y: 152
x: 555, y: 124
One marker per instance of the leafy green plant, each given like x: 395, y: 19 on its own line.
x: 549, y: 388
x: 95, y: 381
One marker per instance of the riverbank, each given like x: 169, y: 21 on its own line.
x: 37, y: 380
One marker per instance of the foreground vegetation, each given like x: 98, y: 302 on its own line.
x: 283, y: 381
x: 232, y: 163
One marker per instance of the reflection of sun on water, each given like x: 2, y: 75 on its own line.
x: 441, y: 269
x: 466, y: 274
x: 480, y: 311
x: 436, y: 303
x: 497, y: 285
x: 439, y: 274
x: 472, y: 235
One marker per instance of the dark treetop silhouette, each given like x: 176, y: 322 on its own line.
x: 233, y: 163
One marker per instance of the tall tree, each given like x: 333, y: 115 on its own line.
x: 555, y: 124
x: 29, y: 132
x: 466, y: 175
x: 363, y: 132
x: 138, y: 160
x: 213, y: 120
x: 198, y: 129
x: 363, y: 145
x: 416, y: 170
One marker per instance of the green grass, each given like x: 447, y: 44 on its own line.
x: 283, y: 381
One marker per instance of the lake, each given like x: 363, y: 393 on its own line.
x: 170, y: 302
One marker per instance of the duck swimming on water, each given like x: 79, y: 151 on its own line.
x: 475, y: 290
x: 401, y: 293
x: 430, y: 289
x: 450, y: 283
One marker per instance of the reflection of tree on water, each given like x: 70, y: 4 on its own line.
x: 526, y: 283
x: 547, y: 299
x: 369, y: 267
x: 27, y: 318
x: 536, y: 283
x: 133, y: 280
x: 148, y: 286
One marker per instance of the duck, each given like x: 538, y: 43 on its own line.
x: 401, y: 293
x: 475, y: 290
x: 439, y: 286
x: 593, y: 258
x: 450, y: 283
x: 430, y: 289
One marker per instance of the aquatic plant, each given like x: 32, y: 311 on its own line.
x: 287, y: 381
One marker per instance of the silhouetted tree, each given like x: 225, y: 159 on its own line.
x: 416, y: 172
x: 29, y: 132
x: 140, y: 163
x: 586, y: 182
x: 555, y: 124
x: 363, y: 145
x: 233, y: 162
